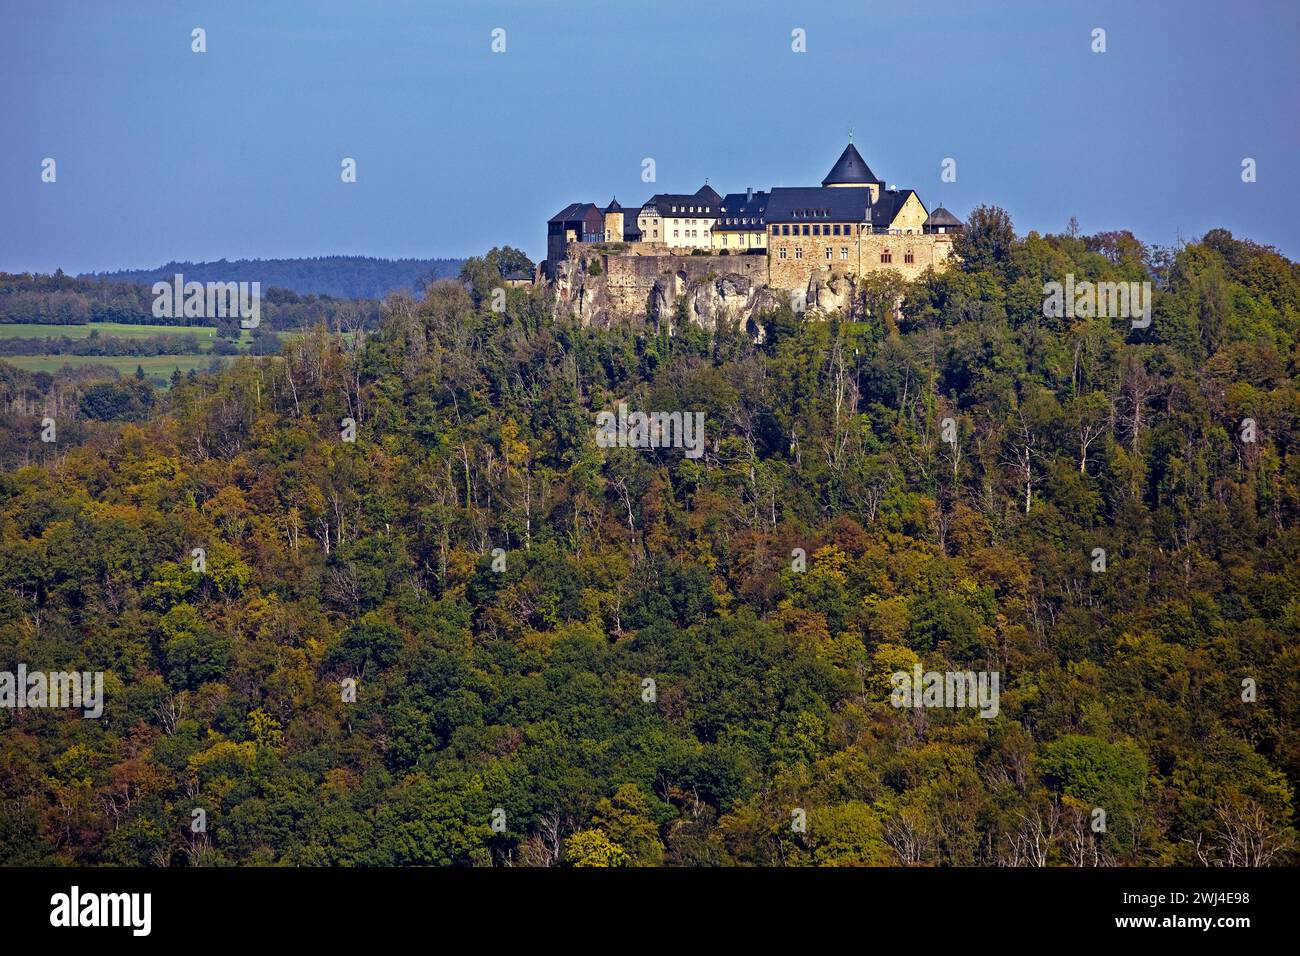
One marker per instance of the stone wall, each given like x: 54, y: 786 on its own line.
x: 796, y: 271
x: 597, y: 287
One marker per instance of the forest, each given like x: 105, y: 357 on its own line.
x: 339, y: 277
x: 472, y: 637
x: 59, y: 299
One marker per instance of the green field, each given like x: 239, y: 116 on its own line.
x: 159, y: 366
x: 153, y: 365
x: 19, y: 330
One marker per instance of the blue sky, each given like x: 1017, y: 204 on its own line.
x: 167, y: 154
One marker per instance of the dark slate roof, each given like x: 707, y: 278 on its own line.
x: 818, y: 204
x: 850, y: 169
x: 575, y: 211
x: 613, y: 206
x: 888, y: 205
x: 942, y: 217
x: 664, y: 202
x: 709, y: 194
x: 519, y: 275
x: 739, y: 206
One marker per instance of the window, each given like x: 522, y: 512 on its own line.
x: 830, y: 253
x: 785, y: 230
x: 798, y: 252
x: 781, y: 252
x: 844, y: 252
x: 675, y: 233
x: 907, y: 256
x: 835, y: 230
x: 886, y: 256
x: 805, y: 228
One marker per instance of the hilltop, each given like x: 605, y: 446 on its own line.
x: 437, y: 622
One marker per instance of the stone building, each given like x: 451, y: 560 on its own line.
x: 613, y: 221
x: 680, y: 221
x: 741, y: 224
x: 850, y: 225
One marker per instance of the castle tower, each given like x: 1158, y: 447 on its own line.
x: 852, y: 170
x: 613, y: 221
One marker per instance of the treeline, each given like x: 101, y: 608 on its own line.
x: 339, y: 277
x: 60, y: 299
x: 471, y: 636
x: 108, y: 345
x: 66, y: 300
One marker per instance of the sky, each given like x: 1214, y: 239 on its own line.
x: 165, y: 154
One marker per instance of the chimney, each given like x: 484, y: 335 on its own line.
x: 749, y: 193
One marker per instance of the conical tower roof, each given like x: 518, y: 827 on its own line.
x: 850, y: 170
x: 942, y: 217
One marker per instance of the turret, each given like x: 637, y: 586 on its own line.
x: 614, y: 221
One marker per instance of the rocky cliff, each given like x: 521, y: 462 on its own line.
x: 706, y: 290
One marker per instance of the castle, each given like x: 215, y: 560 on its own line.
x: 851, y: 225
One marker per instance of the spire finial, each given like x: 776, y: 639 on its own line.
x: 850, y: 134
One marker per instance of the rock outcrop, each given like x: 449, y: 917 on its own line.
x: 707, y: 291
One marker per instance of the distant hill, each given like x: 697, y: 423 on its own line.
x: 346, y: 277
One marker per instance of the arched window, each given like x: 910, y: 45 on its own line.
x: 886, y: 256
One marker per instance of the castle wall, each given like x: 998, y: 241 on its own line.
x: 613, y: 227
x: 805, y: 256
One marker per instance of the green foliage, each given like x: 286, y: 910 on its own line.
x: 651, y: 677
